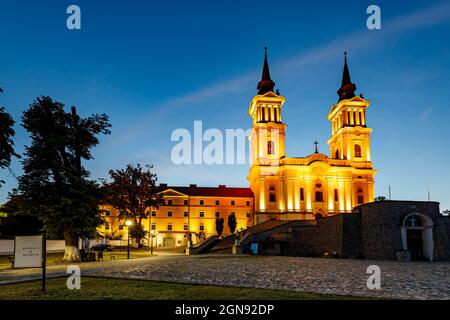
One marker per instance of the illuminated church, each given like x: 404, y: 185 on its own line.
x: 303, y: 188
x: 281, y: 188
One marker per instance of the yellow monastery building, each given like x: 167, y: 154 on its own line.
x: 281, y: 188
x: 188, y: 210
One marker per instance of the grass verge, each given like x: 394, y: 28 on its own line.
x: 123, y: 289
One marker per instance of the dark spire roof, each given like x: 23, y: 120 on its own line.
x: 347, y: 89
x: 266, y: 84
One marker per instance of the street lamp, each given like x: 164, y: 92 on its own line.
x: 129, y: 223
x: 152, y: 234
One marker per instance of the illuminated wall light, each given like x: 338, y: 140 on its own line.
x: 262, y: 202
x: 330, y: 202
x: 290, y: 206
x: 297, y: 199
x: 308, y: 201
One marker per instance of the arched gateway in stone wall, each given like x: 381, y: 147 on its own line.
x: 417, y: 236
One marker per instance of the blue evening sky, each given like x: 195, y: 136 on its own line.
x: 154, y: 66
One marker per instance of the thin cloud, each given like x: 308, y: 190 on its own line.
x: 424, y: 115
x: 357, y: 41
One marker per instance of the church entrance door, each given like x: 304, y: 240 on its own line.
x: 169, y: 242
x: 415, y: 244
x: 417, y: 236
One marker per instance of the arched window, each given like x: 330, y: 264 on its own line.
x: 336, y: 195
x: 270, y: 147
x: 272, y: 195
x: 318, y: 192
x: 357, y: 151
x: 337, y: 154
x: 319, y: 196
x: 302, y: 194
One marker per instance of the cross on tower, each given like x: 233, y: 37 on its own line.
x: 413, y: 221
x: 317, y: 149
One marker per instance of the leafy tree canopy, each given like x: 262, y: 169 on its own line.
x: 55, y: 186
x: 133, y: 192
x: 232, y: 223
x: 6, y: 142
x: 219, y: 226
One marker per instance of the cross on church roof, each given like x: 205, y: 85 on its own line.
x: 317, y: 149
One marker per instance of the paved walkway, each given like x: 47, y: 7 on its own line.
x: 418, y: 280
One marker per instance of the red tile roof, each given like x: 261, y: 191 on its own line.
x: 221, y: 191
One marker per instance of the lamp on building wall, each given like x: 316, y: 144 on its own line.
x: 128, y: 223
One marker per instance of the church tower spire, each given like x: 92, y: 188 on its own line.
x: 347, y: 89
x: 266, y: 84
x: 267, y: 145
x: 350, y: 142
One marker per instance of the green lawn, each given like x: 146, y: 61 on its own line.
x: 115, y: 289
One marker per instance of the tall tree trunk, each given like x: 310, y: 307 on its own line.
x: 71, y: 252
x: 138, y: 239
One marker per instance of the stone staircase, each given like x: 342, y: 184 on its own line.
x: 203, y: 246
x: 224, y: 245
x: 216, y: 245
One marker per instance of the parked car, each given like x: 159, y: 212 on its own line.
x: 102, y: 247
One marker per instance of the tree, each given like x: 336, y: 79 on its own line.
x: 446, y: 212
x: 219, y: 226
x: 201, y: 236
x: 12, y: 223
x: 6, y: 142
x: 132, y: 191
x: 55, y: 186
x: 232, y: 223
x: 137, y: 231
x: 380, y: 198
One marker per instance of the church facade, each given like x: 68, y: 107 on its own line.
x: 303, y: 188
x: 281, y: 188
